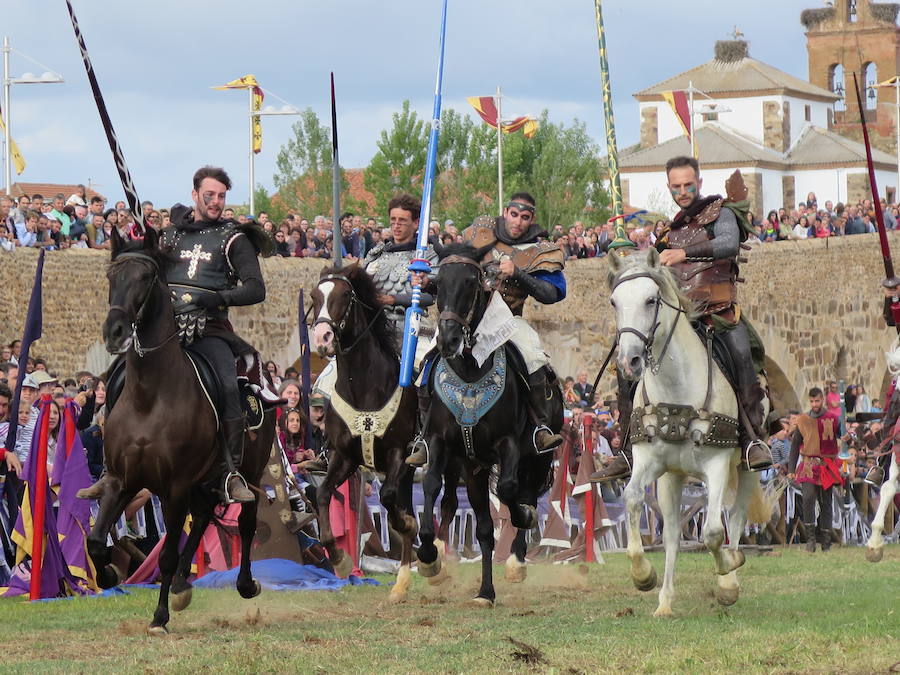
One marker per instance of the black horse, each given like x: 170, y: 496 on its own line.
x: 503, y: 436
x: 162, y: 432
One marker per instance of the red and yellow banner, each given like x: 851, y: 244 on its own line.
x: 249, y: 82
x: 487, y: 110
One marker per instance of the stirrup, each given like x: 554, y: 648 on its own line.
x: 228, y: 499
x: 543, y: 427
x: 418, y: 445
x: 746, y: 458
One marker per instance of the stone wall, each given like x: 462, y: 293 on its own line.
x: 755, y: 193
x: 649, y: 127
x: 858, y: 187
x: 776, y: 126
x: 816, y: 304
x: 788, y: 192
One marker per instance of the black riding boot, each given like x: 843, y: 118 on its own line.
x: 419, y: 446
x: 539, y: 391
x: 757, y: 455
x: 810, y: 536
x: 236, y: 489
x: 620, y: 467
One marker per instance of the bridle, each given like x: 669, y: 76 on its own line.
x: 339, y: 327
x: 465, y: 322
x: 139, y: 349
x: 654, y: 362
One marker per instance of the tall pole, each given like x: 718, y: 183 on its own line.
x: 499, y: 154
x: 691, y: 106
x: 335, y: 184
x: 252, y: 162
x: 897, y: 127
x: 420, y: 263
x: 7, y: 158
x: 612, y: 152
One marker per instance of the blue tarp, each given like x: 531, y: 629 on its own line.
x: 282, y: 575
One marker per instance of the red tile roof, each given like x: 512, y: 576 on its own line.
x: 49, y: 190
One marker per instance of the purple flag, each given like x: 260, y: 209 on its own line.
x: 305, y: 372
x: 56, y: 580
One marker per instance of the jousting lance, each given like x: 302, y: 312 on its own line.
x: 876, y: 202
x: 419, y: 263
x: 124, y: 175
x: 336, y: 239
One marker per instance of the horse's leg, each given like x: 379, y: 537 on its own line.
x: 728, y: 589
x: 643, y: 473
x: 523, y: 516
x: 246, y: 585
x: 477, y: 488
x: 429, y: 560
x: 112, y: 503
x: 668, y: 492
x: 201, y: 514
x: 175, y: 510
x: 340, y: 468
x: 875, y: 545
x: 516, y: 571
x: 717, y: 474
x: 397, y: 483
x: 449, y: 503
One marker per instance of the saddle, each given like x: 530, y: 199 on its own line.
x: 251, y: 402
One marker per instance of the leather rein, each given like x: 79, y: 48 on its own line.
x: 339, y: 327
x: 465, y: 322
x: 139, y: 349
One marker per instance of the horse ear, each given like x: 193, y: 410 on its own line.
x: 615, y: 262
x: 652, y: 258
x: 151, y: 239
x: 115, y: 242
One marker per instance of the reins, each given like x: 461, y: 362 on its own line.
x: 464, y: 322
x: 139, y: 349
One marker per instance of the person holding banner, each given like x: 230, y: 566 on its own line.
x: 522, y: 264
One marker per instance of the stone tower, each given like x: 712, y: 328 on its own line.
x: 862, y: 37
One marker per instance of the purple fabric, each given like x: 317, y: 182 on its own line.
x: 55, y: 575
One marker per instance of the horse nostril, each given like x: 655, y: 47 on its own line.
x: 635, y: 363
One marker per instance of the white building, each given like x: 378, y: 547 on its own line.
x: 770, y: 125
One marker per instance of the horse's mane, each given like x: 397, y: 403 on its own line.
x: 663, y: 277
x: 162, y: 258
x: 458, y: 248
x: 367, y: 293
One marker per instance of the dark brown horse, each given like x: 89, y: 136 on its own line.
x: 351, y: 325
x: 162, y: 432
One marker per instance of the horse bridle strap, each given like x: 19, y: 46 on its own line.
x: 354, y: 300
x: 139, y: 349
x: 447, y: 315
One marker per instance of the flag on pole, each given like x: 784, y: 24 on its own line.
x: 15, y: 153
x: 890, y: 82
x: 486, y: 108
x: 249, y: 82
x: 678, y: 101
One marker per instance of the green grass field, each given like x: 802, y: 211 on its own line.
x: 829, y: 612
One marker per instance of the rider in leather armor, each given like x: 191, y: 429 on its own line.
x: 527, y: 265
x: 701, y: 245
x: 210, y: 256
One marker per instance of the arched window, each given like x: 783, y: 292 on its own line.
x: 836, y: 84
x: 870, y: 79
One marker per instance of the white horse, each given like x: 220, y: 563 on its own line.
x: 875, y: 545
x: 685, y: 425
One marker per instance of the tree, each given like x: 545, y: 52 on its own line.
x: 303, y: 177
x: 399, y: 164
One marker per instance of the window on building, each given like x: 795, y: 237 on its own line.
x: 836, y: 84
x: 711, y: 117
x: 870, y: 79
x: 807, y: 113
x: 851, y: 11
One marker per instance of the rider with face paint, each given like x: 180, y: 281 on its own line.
x: 701, y: 245
x: 215, y: 266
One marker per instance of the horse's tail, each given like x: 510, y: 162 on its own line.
x: 762, y: 502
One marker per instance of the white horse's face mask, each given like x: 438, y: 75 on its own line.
x: 636, y: 302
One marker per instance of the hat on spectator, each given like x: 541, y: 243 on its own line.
x: 42, y: 377
x: 317, y: 402
x: 28, y: 381
x: 75, y: 200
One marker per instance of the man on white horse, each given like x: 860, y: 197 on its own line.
x: 702, y: 244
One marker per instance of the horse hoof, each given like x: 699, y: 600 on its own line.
x: 343, y: 567
x: 110, y: 576
x: 430, y: 569
x: 254, y: 590
x: 647, y: 584
x: 874, y: 555
x: 663, y: 613
x: 440, y: 578
x: 180, y: 601
x: 727, y: 596
x: 515, y: 571
x: 482, y: 602
x: 157, y: 631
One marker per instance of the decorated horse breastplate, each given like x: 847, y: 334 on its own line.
x: 201, y: 258
x: 470, y: 401
x: 367, y: 424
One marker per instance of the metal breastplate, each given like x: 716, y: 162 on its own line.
x: 390, y: 272
x: 201, y: 260
x: 709, y: 283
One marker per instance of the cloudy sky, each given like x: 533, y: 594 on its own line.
x: 157, y: 59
